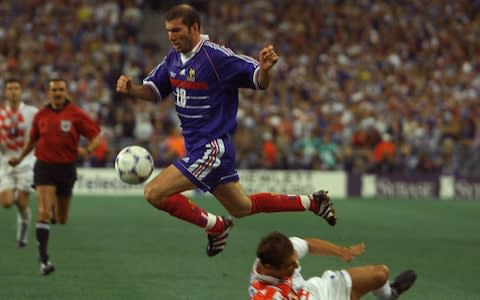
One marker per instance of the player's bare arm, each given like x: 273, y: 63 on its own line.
x: 26, y: 150
x: 267, y: 58
x: 321, y: 247
x: 126, y: 86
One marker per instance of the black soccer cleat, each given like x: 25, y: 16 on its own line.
x: 46, y: 268
x: 403, y: 282
x: 326, y: 210
x: 21, y: 244
x: 217, y: 242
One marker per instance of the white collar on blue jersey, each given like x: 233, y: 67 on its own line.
x: 186, y: 56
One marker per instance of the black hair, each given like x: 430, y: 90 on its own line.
x: 186, y: 12
x: 274, y: 249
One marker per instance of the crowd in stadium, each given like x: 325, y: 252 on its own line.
x: 361, y: 86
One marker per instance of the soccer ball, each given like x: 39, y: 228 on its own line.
x: 134, y: 164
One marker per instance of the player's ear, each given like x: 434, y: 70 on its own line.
x: 195, y: 27
x: 269, y: 267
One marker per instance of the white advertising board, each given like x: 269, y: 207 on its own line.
x: 105, y: 182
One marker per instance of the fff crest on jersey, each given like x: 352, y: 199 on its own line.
x: 65, y: 125
x: 191, y: 74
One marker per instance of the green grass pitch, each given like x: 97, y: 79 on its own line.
x: 121, y: 248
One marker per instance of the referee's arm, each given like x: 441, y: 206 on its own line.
x: 91, y: 146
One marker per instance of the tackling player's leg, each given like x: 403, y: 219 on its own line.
x: 375, y: 279
x: 402, y: 283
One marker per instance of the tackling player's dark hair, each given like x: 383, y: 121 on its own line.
x: 274, y: 249
x: 187, y: 13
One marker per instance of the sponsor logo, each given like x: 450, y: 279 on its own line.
x: 415, y: 186
x: 467, y: 188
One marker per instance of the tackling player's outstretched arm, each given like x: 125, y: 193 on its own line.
x: 142, y: 91
x: 322, y: 247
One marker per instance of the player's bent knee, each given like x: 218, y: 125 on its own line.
x: 381, y: 273
x: 44, y: 216
x: 239, y: 213
x: 153, y: 196
x: 6, y: 204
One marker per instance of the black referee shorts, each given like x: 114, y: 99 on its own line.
x: 62, y: 176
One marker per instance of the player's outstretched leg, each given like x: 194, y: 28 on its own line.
x: 403, y: 282
x: 319, y: 203
x: 325, y: 207
x: 217, y: 241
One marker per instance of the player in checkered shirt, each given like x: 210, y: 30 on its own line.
x: 15, y: 182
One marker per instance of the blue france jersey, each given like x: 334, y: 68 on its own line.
x: 205, y: 89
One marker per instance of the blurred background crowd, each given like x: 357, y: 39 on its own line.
x: 362, y: 85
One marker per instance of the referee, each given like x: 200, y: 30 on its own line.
x: 55, y: 135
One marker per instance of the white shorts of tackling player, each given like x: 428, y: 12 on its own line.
x: 19, y: 178
x: 333, y: 285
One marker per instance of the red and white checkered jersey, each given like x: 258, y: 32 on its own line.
x: 15, y: 125
x: 263, y: 287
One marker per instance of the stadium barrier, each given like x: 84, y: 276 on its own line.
x: 339, y: 184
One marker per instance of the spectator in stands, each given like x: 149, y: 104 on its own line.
x: 402, y: 82
x: 383, y: 156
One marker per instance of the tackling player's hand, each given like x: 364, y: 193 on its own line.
x: 267, y: 58
x: 14, y: 161
x: 349, y: 253
x: 123, y: 84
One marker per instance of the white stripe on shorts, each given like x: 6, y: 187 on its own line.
x: 210, y: 159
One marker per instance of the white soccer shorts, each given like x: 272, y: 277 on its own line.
x: 20, y: 177
x: 333, y: 285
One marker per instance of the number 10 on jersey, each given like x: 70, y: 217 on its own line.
x: 181, y: 97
